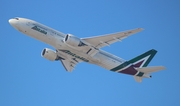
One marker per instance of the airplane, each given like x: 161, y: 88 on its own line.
x: 71, y: 50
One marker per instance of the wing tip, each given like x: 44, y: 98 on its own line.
x: 140, y: 29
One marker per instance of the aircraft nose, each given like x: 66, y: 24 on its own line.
x: 14, y: 22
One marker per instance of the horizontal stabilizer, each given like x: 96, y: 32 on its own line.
x: 145, y: 71
x: 150, y: 69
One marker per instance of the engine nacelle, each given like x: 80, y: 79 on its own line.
x: 49, y: 54
x: 73, y: 41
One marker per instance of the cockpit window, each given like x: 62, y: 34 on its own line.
x: 16, y: 18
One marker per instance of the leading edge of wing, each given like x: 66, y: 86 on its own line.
x: 107, y: 39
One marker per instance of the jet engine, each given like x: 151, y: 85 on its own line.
x: 73, y: 41
x: 49, y: 54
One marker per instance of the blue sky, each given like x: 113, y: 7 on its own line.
x: 27, y: 79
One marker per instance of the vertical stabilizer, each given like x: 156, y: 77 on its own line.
x: 138, y: 66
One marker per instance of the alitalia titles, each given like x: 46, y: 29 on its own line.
x: 39, y: 29
x: 74, y: 55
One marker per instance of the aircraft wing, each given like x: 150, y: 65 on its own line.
x: 69, y: 65
x: 106, y: 40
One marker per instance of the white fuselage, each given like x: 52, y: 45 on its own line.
x: 56, y: 39
x: 71, y: 50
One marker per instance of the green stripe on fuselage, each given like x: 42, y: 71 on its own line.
x: 125, y: 64
x: 140, y: 74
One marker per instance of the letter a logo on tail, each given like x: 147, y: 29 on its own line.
x: 137, y: 62
x: 138, y: 66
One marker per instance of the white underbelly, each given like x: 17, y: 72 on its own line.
x: 107, y: 62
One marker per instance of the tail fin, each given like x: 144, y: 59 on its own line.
x: 138, y: 66
x: 137, y: 62
x: 141, y: 62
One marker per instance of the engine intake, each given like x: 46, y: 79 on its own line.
x: 73, y: 41
x: 49, y: 54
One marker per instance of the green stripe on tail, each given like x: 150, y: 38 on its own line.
x: 139, y: 61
